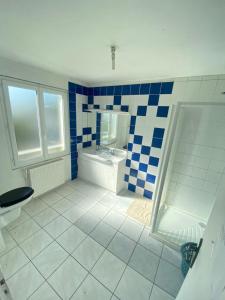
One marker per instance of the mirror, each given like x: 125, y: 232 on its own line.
x: 114, y: 130
x: 107, y: 128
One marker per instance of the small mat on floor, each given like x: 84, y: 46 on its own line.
x: 140, y: 210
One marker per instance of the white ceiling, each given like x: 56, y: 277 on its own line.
x: 156, y: 39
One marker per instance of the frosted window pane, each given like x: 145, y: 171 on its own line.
x: 53, y: 105
x: 24, y: 109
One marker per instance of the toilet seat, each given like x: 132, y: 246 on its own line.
x: 15, y: 196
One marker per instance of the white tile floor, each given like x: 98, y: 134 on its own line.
x: 78, y: 243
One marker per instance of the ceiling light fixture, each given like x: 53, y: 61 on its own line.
x: 113, y: 51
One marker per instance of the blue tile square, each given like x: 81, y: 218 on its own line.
x: 93, y: 137
x: 153, y: 161
x: 132, y: 120
x: 110, y: 90
x: 126, y: 90
x: 135, y: 89
x: 131, y: 187
x: 96, y: 106
x: 79, y: 89
x: 156, y: 143
x: 143, y: 167
x: 87, y: 130
x: 90, y: 99
x: 141, y: 110
x: 150, y: 178
x: 124, y: 108
x: 103, y: 91
x: 73, y: 123
x: 129, y: 146
x: 73, y: 132
x: 79, y: 139
x: 96, y: 91
x: 72, y: 98
x: 109, y: 107
x: 140, y: 183
x: 135, y: 156
x: 126, y: 177
x: 85, y: 90
x: 132, y: 129
x: 91, y: 91
x: 166, y: 88
x: 158, y: 132
x: 148, y: 194
x: 138, y: 139
x: 87, y: 144
x: 128, y: 163
x: 162, y: 111
x: 155, y: 88
x: 145, y: 150
x: 153, y: 100
x: 118, y: 90
x: 133, y: 172
x: 117, y: 100
x: 84, y: 107
x: 71, y: 87
x: 145, y: 89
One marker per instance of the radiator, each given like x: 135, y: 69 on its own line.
x: 47, y: 177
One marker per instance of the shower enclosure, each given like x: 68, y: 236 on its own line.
x: 191, y: 170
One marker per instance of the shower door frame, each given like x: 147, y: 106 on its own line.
x: 167, y: 152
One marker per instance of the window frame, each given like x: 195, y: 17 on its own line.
x: 40, y: 89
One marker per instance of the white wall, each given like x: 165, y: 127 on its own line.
x: 13, y: 178
x: 206, y: 279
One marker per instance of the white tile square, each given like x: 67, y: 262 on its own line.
x: 24, y: 282
x: 133, y: 286
x: 172, y: 256
x: 9, y: 242
x: 88, y: 252
x: 109, y: 200
x: 169, y: 278
x: 114, y: 219
x: 92, y: 289
x: 67, y: 278
x: 87, y: 222
x: 132, y: 229
x: 71, y: 238
x: 150, y: 243
x: 50, y: 259
x: 45, y: 292
x: 24, y: 230
x: 35, y: 206
x: 122, y: 247
x: 64, y: 190
x: 62, y: 205
x: 46, y: 216
x: 103, y: 233
x: 36, y: 243
x: 158, y: 294
x: 51, y: 198
x: 74, y: 213
x: 99, y: 210
x: 22, y: 218
x: 109, y: 270
x: 144, y: 262
x: 57, y: 226
x: 11, y: 262
x: 76, y: 197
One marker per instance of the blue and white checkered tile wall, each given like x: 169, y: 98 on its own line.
x: 148, y: 105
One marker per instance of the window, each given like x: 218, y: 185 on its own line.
x: 37, y: 122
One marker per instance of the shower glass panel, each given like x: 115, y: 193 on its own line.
x: 192, y: 172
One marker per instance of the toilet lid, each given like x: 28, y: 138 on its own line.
x: 15, y: 196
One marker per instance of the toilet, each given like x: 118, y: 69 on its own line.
x: 10, y: 207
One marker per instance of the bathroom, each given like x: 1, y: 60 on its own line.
x: 112, y: 156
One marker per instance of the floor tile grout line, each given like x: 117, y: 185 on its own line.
x: 127, y: 265
x: 111, y: 208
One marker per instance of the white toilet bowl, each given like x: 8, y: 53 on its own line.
x: 10, y: 207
